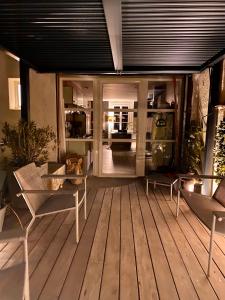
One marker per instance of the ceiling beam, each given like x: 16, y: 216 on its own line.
x: 113, y: 16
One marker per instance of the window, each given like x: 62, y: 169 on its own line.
x: 121, y: 118
x: 14, y: 93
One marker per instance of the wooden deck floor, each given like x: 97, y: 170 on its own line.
x: 131, y: 247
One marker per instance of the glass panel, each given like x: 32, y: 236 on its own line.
x: 78, y: 103
x: 160, y: 126
x: 119, y: 157
x: 159, y: 157
x: 79, y: 124
x: 120, y: 95
x: 161, y: 95
x: 78, y: 94
x: 123, y: 123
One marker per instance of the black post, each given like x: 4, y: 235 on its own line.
x: 25, y: 91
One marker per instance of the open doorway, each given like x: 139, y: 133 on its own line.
x: 119, y: 129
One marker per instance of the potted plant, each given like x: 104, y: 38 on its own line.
x: 219, y: 150
x: 194, y: 147
x: 27, y: 143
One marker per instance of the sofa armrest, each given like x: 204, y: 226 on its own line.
x: 203, y: 176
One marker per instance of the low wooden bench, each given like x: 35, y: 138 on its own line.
x: 210, y: 210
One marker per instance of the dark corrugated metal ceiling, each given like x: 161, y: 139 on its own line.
x: 73, y: 35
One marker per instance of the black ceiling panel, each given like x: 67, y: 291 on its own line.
x: 172, y: 33
x: 57, y: 35
x: 72, y: 35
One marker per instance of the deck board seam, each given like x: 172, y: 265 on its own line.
x: 150, y: 254
x: 76, y: 247
x: 179, y: 250
x: 160, y: 238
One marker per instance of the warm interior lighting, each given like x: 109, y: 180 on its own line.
x: 220, y: 107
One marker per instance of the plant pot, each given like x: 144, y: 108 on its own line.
x: 2, y: 217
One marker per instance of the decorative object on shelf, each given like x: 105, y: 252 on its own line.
x: 74, y: 164
x: 161, y: 122
x: 28, y: 142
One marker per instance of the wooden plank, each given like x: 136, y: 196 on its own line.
x: 78, y: 266
x: 54, y: 283
x: 128, y: 272
x: 39, y: 250
x: 46, y: 263
x: 36, y: 232
x: 179, y: 272
x: 204, y: 235
x: 93, y: 276
x: 202, y: 285
x: 164, y: 279
x: 10, y: 249
x: 216, y: 279
x: 110, y: 277
x: 146, y: 278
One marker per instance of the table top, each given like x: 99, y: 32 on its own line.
x: 160, y: 178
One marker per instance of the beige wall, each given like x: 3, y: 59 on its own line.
x: 43, y: 103
x: 9, y: 67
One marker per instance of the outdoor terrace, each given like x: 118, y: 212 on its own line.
x: 131, y: 247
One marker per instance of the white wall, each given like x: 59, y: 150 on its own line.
x: 43, y: 103
x: 9, y: 68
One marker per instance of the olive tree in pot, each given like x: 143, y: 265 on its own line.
x: 27, y: 143
x: 194, y: 147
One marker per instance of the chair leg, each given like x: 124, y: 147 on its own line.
x: 85, y: 199
x: 178, y: 203
x: 211, y: 245
x: 178, y: 198
x: 147, y: 187
x: 77, y: 217
x: 26, y: 284
x: 171, y: 192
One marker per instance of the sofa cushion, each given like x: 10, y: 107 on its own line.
x: 219, y: 194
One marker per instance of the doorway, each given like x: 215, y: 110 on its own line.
x: 119, y: 129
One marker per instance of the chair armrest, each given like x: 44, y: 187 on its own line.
x: 183, y: 176
x: 220, y: 215
x: 50, y: 192
x: 13, y: 235
x: 66, y: 176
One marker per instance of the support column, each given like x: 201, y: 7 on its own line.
x: 25, y: 91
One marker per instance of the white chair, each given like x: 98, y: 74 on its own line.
x: 42, y: 202
x: 14, y: 281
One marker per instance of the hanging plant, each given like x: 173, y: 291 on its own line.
x: 27, y: 142
x: 219, y: 150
